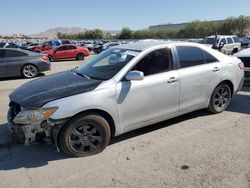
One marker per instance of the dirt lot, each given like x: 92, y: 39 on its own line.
x: 195, y: 150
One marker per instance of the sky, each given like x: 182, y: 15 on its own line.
x: 33, y: 16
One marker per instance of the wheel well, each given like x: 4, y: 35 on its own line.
x: 80, y: 53
x: 235, y: 50
x: 29, y: 64
x: 230, y: 84
x: 102, y: 113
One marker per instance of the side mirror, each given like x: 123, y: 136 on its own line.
x: 134, y: 75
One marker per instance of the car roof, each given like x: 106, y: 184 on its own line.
x: 219, y: 36
x: 141, y: 46
x: 66, y: 45
x: 20, y: 50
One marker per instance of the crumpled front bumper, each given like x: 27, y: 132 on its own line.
x: 27, y: 134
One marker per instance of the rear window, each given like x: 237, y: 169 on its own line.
x: 12, y: 53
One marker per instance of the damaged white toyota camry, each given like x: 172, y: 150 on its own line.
x: 122, y: 89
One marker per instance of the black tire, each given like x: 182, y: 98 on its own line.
x: 220, y: 99
x: 80, y: 57
x: 235, y: 50
x: 84, y: 135
x: 29, y: 71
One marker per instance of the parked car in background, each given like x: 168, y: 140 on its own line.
x: 245, y: 42
x: 65, y: 41
x: 122, y: 89
x: 11, y: 45
x: 46, y: 46
x: 16, y: 62
x: 99, y: 48
x: 67, y: 51
x: 227, y: 44
x: 244, y: 56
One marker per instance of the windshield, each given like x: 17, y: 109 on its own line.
x: 107, y: 64
x: 208, y: 41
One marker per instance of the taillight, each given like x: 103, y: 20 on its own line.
x: 241, y: 65
x: 45, y: 58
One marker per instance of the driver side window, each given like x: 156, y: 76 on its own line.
x: 155, y: 62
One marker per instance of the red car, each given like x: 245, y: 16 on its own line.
x: 67, y: 51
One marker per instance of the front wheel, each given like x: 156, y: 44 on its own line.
x: 220, y: 98
x: 84, y: 136
x: 29, y: 71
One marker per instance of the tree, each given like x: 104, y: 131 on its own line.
x: 94, y: 34
x: 126, y: 33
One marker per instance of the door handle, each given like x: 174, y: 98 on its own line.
x: 216, y: 69
x: 172, y: 80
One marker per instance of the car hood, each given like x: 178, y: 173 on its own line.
x: 38, y: 92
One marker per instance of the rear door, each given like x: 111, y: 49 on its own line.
x: 15, y: 60
x: 199, y: 74
x: 72, y: 51
x: 3, y: 64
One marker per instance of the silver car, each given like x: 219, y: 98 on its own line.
x: 124, y: 88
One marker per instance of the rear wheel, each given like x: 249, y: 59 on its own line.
x: 220, y: 98
x: 234, y: 51
x: 29, y: 71
x: 80, y: 57
x: 84, y: 136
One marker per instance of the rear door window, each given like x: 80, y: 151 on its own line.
x: 11, y: 45
x: 190, y: 56
x: 230, y: 40
x: 12, y: 53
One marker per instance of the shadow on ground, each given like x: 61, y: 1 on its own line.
x: 19, y: 77
x: 18, y: 156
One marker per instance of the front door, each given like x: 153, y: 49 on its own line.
x: 61, y: 52
x: 155, y: 97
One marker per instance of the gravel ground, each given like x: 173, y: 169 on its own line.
x: 195, y: 150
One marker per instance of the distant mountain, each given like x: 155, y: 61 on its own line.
x: 52, y: 33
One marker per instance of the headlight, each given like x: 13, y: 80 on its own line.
x: 34, y: 116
